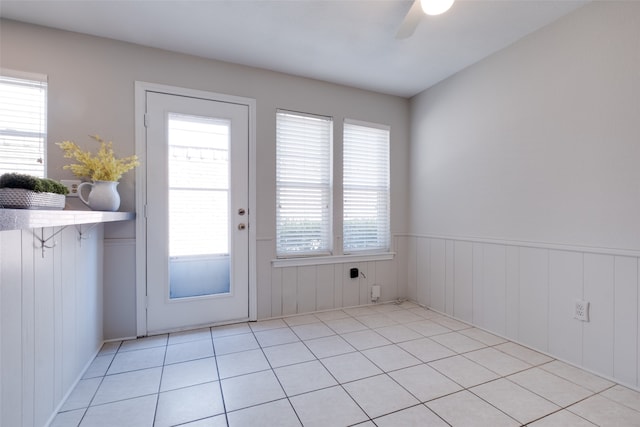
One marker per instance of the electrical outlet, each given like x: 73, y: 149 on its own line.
x: 72, y: 186
x: 581, y: 311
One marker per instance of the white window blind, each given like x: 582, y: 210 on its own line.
x: 23, y: 127
x: 303, y: 184
x: 366, y: 225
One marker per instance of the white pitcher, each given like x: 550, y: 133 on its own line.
x: 103, y: 195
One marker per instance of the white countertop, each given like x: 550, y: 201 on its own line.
x: 19, y: 219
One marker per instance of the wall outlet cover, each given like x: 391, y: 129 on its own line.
x: 581, y: 311
x: 72, y: 186
x: 375, y: 292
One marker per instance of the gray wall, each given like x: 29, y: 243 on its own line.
x: 91, y: 90
x: 525, y: 191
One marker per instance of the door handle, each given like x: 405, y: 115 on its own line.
x: 241, y: 226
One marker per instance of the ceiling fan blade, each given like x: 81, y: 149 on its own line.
x: 411, y: 21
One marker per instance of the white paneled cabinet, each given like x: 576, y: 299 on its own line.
x: 50, y: 318
x: 11, y: 384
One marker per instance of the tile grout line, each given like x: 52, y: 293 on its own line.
x: 101, y: 381
x: 339, y: 384
x: 164, y: 359
x: 215, y: 355
x: 286, y: 396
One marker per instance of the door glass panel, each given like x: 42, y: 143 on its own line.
x: 198, y: 206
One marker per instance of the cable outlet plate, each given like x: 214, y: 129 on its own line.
x: 581, y: 311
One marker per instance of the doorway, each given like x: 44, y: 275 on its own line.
x: 198, y: 243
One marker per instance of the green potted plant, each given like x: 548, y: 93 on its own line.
x: 21, y: 191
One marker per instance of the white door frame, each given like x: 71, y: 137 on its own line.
x: 141, y: 88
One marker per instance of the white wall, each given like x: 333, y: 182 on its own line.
x: 538, y: 142
x: 91, y: 90
x: 525, y: 190
x: 50, y: 318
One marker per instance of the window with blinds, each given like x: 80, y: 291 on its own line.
x: 366, y: 222
x: 23, y: 123
x: 303, y: 184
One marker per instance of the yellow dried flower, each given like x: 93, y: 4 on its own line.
x: 102, y: 167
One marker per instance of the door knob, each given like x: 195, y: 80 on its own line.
x: 241, y: 226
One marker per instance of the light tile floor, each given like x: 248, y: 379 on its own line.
x: 384, y: 365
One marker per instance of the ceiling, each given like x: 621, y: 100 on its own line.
x: 350, y: 42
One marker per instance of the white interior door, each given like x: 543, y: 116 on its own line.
x: 197, y: 176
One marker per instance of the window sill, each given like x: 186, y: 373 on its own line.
x: 331, y: 259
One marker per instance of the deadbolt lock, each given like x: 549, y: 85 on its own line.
x: 241, y: 211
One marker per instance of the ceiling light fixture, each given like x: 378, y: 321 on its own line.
x: 435, y: 7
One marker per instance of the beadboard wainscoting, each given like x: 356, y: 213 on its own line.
x: 527, y: 292
x: 284, y: 291
x: 50, y: 317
